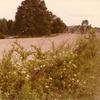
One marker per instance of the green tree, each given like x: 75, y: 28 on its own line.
x: 32, y: 18
x: 10, y: 25
x: 3, y: 26
x: 58, y: 25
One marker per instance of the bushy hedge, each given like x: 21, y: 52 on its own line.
x: 61, y: 74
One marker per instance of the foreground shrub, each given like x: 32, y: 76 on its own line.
x: 59, y: 75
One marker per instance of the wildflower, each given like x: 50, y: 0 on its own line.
x: 70, y: 62
x: 50, y: 78
x: 46, y: 86
x: 92, y: 77
x: 23, y: 71
x: 36, y: 68
x: 84, y: 82
x: 54, y: 56
x: 75, y: 66
x: 69, y: 85
x: 77, y: 81
x: 41, y: 66
x: 72, y: 79
x: 27, y: 77
x: 64, y: 69
x: 75, y: 75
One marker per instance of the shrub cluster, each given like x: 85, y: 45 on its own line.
x: 60, y: 74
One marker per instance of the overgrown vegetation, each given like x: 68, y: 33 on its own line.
x: 60, y: 74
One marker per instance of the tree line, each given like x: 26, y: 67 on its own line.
x: 6, y: 26
x: 32, y: 19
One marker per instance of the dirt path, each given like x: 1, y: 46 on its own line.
x: 44, y: 42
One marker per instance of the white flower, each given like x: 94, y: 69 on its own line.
x: 77, y: 81
x: 46, y: 86
x: 75, y: 75
x: 70, y: 62
x: 27, y: 77
x: 75, y: 66
x: 64, y: 69
x: 50, y: 78
x: 54, y: 56
x: 72, y: 79
x: 84, y: 82
x: 23, y: 72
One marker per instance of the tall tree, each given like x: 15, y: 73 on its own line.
x: 10, y: 25
x: 58, y: 25
x: 32, y: 18
x: 3, y: 26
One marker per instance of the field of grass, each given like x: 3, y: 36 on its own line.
x: 64, y: 73
x: 43, y: 42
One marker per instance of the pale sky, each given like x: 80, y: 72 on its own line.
x: 71, y: 11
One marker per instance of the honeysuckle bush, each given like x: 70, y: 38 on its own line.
x: 58, y: 74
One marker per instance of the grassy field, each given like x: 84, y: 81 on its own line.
x: 43, y: 42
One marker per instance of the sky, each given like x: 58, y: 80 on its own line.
x: 72, y: 12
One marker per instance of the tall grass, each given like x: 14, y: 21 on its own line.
x: 59, y: 74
